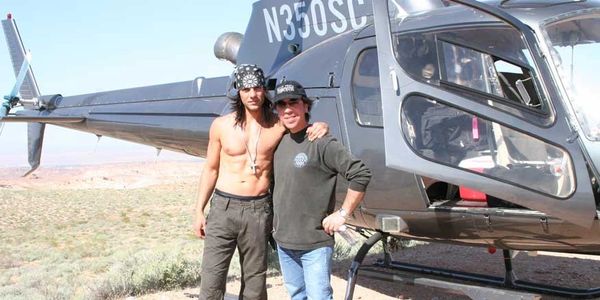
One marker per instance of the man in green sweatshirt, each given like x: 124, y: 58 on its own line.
x: 304, y: 196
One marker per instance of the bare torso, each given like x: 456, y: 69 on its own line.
x: 239, y: 148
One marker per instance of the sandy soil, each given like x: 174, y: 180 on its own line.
x: 557, y: 269
x: 104, y: 176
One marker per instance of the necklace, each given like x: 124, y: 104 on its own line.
x: 253, y: 165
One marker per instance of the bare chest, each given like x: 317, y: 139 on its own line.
x: 257, y: 143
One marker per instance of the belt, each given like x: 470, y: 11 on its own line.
x: 241, y: 198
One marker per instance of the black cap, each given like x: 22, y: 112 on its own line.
x: 289, y: 90
x: 248, y: 76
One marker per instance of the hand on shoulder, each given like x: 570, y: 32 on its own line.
x: 317, y: 130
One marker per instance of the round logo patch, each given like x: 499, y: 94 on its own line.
x: 300, y: 160
x: 250, y: 80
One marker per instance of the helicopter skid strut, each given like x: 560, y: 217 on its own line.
x: 507, y: 287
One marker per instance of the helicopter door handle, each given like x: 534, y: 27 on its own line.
x: 395, y: 84
x: 488, y: 222
x: 544, y: 223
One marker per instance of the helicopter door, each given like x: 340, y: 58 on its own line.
x: 463, y: 104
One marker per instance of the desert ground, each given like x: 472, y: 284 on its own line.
x: 123, y: 231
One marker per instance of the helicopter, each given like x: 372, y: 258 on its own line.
x: 476, y: 117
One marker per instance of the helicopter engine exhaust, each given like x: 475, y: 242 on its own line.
x: 227, y: 46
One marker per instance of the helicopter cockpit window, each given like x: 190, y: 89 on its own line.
x: 453, y: 137
x: 486, y: 73
x: 574, y: 44
x: 494, y: 63
x: 366, y: 92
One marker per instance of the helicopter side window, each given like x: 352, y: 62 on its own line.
x: 492, y: 62
x: 366, y: 92
x: 417, y: 53
x: 469, y: 68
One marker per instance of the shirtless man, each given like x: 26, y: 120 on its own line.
x: 237, y: 174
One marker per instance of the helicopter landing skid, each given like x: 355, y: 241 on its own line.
x: 507, y: 287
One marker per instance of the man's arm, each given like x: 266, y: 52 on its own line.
x: 333, y: 222
x: 208, y: 179
x: 338, y: 159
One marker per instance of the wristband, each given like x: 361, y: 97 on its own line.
x: 343, y: 213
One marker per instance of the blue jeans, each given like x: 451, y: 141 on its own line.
x: 307, y: 273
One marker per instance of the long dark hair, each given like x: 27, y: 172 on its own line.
x: 240, y: 111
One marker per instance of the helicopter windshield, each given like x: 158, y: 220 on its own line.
x: 575, y: 44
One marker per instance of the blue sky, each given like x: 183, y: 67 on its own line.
x: 90, y: 46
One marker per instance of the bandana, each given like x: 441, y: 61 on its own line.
x: 249, y: 76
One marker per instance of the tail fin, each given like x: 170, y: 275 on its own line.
x: 28, y: 90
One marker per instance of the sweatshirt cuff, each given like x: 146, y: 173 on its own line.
x: 355, y: 186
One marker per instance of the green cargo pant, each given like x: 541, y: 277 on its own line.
x: 245, y: 223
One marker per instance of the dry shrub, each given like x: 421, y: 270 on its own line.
x: 148, y: 272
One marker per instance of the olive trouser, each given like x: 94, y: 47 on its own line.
x: 242, y: 222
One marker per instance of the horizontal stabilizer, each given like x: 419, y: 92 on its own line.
x: 52, y: 120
